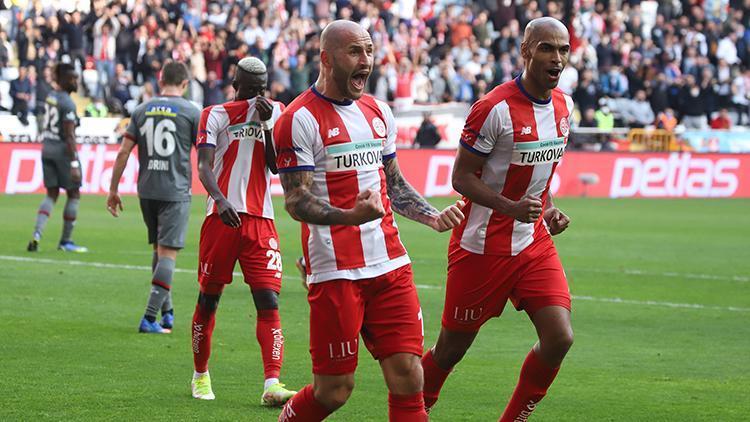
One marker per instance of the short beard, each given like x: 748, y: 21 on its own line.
x: 341, y: 79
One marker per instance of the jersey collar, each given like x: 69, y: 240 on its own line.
x: 330, y: 100
x: 529, y: 96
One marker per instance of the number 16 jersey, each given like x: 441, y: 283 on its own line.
x: 165, y: 129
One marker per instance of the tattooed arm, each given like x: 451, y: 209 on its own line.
x: 302, y: 205
x: 409, y: 203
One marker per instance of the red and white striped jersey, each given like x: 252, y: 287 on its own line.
x: 523, y: 139
x: 234, y: 129
x: 344, y: 144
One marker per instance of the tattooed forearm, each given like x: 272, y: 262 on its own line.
x: 303, y: 205
x: 404, y: 199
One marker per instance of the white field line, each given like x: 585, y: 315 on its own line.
x: 420, y: 286
x: 675, y: 274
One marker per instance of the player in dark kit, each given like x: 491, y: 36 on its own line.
x: 165, y: 129
x: 60, y: 163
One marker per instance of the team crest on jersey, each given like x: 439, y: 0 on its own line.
x: 379, y: 126
x: 564, y: 126
x: 356, y: 155
x: 538, y: 152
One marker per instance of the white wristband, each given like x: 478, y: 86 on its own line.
x: 267, y: 124
x: 75, y: 164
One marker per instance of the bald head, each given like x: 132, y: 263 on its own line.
x: 339, y: 33
x: 346, y: 59
x: 543, y: 28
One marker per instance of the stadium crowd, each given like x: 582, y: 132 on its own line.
x: 632, y: 63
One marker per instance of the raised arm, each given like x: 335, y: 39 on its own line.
x: 406, y: 201
x: 302, y: 205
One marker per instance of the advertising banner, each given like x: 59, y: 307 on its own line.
x: 595, y: 174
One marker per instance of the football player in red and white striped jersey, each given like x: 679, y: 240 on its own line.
x: 512, y: 142
x: 338, y: 166
x: 235, y: 161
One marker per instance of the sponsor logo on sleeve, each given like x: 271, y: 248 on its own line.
x: 359, y: 155
x: 538, y: 152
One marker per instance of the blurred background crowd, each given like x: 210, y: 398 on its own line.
x: 633, y: 63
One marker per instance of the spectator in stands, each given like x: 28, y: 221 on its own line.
x: 427, y: 134
x: 693, y: 105
x: 20, y: 91
x: 6, y: 50
x: 96, y: 108
x: 43, y: 88
x: 120, y: 88
x: 666, y: 120
x: 605, y: 120
x: 741, y: 96
x: 586, y: 95
x: 637, y: 112
x: 106, y: 29
x: 722, y: 120
x: 74, y: 36
x: 212, y: 90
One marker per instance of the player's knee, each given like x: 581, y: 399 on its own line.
x: 404, y: 374
x: 208, y: 302
x: 333, y: 395
x: 559, y: 343
x: 53, y: 194
x: 266, y: 299
x: 74, y: 194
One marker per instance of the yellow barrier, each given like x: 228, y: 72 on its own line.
x: 658, y: 140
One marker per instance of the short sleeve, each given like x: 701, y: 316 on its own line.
x: 294, y: 135
x: 389, y: 148
x: 68, y: 112
x: 131, y: 132
x: 482, y: 126
x: 207, y: 129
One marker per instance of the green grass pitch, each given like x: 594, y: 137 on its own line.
x: 661, y: 315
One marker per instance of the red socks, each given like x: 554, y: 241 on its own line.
x: 536, y: 377
x: 406, y: 408
x: 434, y: 377
x: 203, y: 326
x: 268, y: 333
x: 303, y: 408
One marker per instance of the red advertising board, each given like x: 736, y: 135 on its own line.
x: 659, y: 175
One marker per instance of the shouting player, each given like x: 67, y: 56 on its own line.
x: 513, y: 139
x: 341, y: 179
x: 60, y: 164
x: 235, y: 160
x: 164, y: 129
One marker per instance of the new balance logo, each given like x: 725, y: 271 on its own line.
x: 526, y: 130
x: 333, y: 132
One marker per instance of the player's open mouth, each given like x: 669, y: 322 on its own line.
x: 554, y: 73
x: 359, y: 79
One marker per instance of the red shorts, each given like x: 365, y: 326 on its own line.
x: 384, y: 309
x: 479, y: 285
x: 255, y: 244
